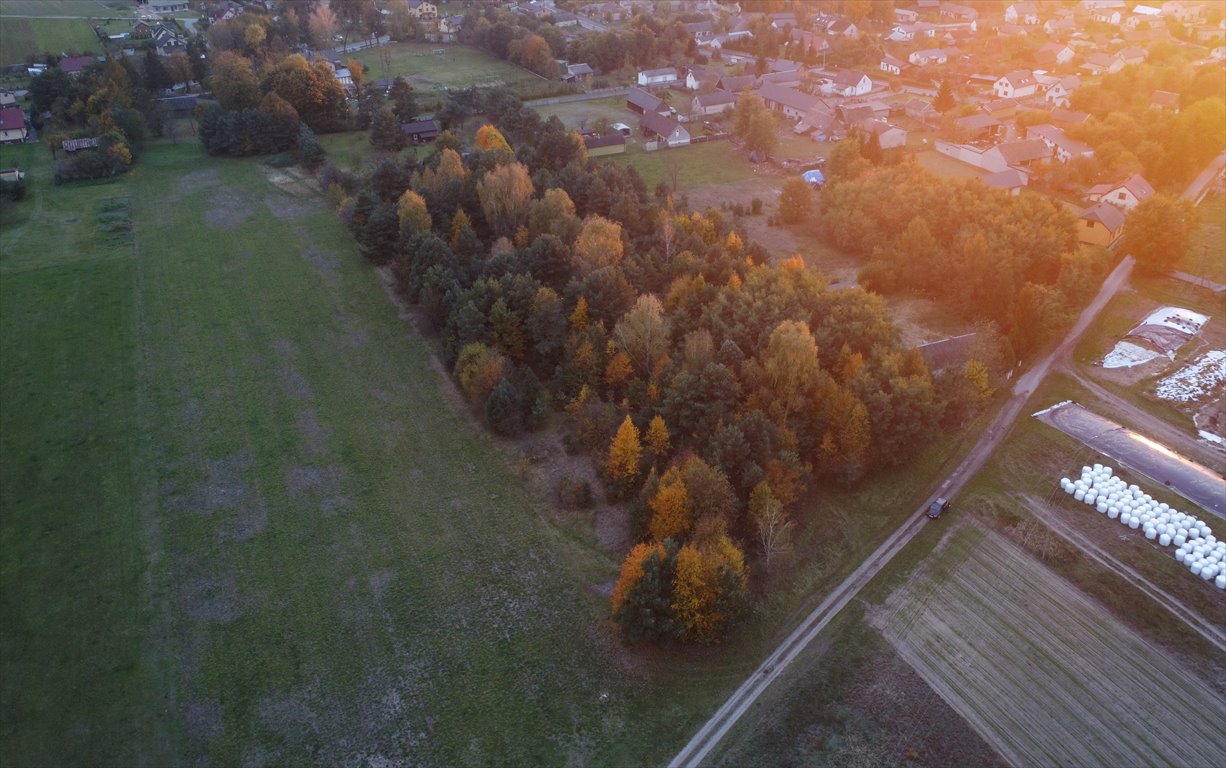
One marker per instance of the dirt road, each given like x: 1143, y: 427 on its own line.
x: 711, y: 732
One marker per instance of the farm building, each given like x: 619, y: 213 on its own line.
x: 888, y: 136
x: 1064, y: 147
x: 638, y: 100
x: 791, y: 102
x: 851, y: 82
x: 420, y: 131
x: 1009, y: 180
x: 168, y: 6
x: 1016, y: 85
x: 1102, y: 224
x: 12, y: 125
x: 664, y: 76
x: 600, y: 146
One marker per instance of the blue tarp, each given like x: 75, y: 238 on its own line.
x: 814, y: 177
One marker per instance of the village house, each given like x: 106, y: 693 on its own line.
x: 1102, y: 224
x: 888, y: 136
x: 843, y: 28
x: 736, y: 83
x: 978, y: 127
x: 1016, y: 85
x: 892, y: 65
x: 921, y: 110
x: 1023, y: 13
x: 1062, y: 146
x: 1060, y: 28
x: 423, y: 10
x: 12, y: 125
x: 957, y: 12
x: 420, y: 131
x: 928, y: 56
x: 1065, y: 117
x: 7, y: 98
x: 712, y: 103
x: 1061, y: 93
x: 1127, y: 194
x: 850, y: 83
x: 703, y: 32
x: 790, y: 79
x: 905, y: 33
x: 1103, y: 63
x: 1132, y: 55
x: 662, y: 76
x: 1111, y: 16
x: 788, y: 101
x: 666, y: 129
x: 161, y: 7
x: 1054, y: 53
x: 75, y: 65
x: 1182, y: 11
x: 698, y: 78
x: 1009, y: 180
x: 577, y: 72
x: 1164, y: 100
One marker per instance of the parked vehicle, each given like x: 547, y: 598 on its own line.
x: 937, y: 507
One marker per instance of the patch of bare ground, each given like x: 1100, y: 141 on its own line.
x: 225, y: 211
x: 293, y: 181
x: 1043, y: 673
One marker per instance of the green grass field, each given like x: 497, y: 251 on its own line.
x: 1206, y: 256
x: 699, y: 164
x: 84, y: 8
x: 575, y: 114
x: 23, y: 38
x: 458, y: 67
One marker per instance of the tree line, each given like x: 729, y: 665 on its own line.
x: 713, y: 388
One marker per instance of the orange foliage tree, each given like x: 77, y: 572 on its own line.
x: 670, y: 508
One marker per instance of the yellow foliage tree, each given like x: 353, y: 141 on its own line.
x: 709, y: 586
x: 412, y: 212
x: 671, y: 515
x: 657, y: 437
x: 631, y: 572
x: 599, y: 244
x: 622, y: 464
x: 489, y: 137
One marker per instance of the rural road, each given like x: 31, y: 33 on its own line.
x: 1200, y: 185
x: 1202, y: 627
x: 711, y: 732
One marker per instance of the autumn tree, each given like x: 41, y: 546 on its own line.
x: 490, y: 139
x: 233, y: 82
x: 771, y: 521
x: 795, y: 201
x: 643, y: 595
x: 412, y: 212
x: 791, y: 366
x: 657, y: 438
x: 505, y: 193
x: 322, y: 26
x: 671, y: 508
x: 622, y: 463
x: 709, y: 589
x: 1158, y: 231
x: 643, y: 333
x: 945, y: 100
x: 599, y: 244
x: 762, y: 134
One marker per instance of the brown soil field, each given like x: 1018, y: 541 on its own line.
x: 1044, y: 674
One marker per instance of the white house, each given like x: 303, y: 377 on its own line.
x: 928, y: 56
x: 1016, y: 85
x: 1127, y: 194
x: 662, y: 76
x: 1057, y: 53
x: 892, y: 65
x: 1063, y: 147
x: 888, y: 136
x: 697, y: 77
x: 851, y: 83
x: 665, y: 129
x: 1023, y: 13
x: 1108, y: 16
x: 712, y: 103
x: 1061, y: 93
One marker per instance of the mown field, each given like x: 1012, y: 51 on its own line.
x: 68, y: 7
x: 1047, y: 675
x: 21, y: 39
x: 581, y: 114
x: 459, y: 66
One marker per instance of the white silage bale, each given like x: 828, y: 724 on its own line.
x: 1220, y: 581
x: 1101, y: 506
x: 1194, y: 534
x: 1180, y: 554
x: 1208, y: 573
x: 1080, y: 494
x: 1180, y: 539
x: 1164, y: 539
x: 1164, y: 507
x: 1151, y: 534
x: 1196, y: 568
x: 1134, y: 522
x: 1098, y: 467
x: 1113, y: 512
